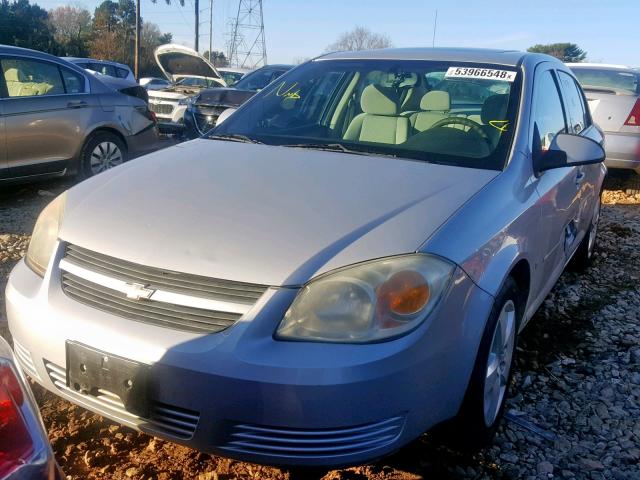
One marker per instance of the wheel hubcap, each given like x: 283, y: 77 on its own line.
x: 499, y: 362
x: 105, y: 155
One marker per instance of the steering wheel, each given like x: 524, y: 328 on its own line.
x: 473, y: 126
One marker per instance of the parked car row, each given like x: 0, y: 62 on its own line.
x: 371, y: 225
x: 199, y: 92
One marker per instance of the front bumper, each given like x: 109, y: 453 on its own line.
x: 241, y: 394
x: 623, y: 150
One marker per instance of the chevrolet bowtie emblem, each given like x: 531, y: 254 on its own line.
x: 136, y: 291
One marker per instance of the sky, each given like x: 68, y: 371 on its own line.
x: 297, y: 29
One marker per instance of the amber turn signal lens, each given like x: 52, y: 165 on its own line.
x: 405, y: 293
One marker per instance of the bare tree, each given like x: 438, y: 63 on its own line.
x: 360, y: 38
x: 72, y: 29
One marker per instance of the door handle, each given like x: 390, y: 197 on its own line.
x: 579, y: 177
x: 77, y: 104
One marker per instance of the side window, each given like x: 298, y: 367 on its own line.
x: 548, y: 115
x: 121, y: 72
x: 28, y: 78
x: 73, y: 82
x: 576, y: 113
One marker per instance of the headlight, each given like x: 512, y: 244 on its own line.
x: 185, y: 101
x: 368, y: 302
x: 45, y: 234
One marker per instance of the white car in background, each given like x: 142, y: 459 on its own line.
x: 104, y: 67
x: 189, y: 73
x: 154, y: 83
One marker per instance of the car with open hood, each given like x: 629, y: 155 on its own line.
x: 205, y: 108
x: 189, y: 73
x: 342, y: 264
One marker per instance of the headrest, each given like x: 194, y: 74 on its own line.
x: 378, y: 100
x: 438, y: 100
x: 11, y: 75
x: 494, y: 108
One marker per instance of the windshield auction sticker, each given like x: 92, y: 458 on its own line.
x: 488, y: 73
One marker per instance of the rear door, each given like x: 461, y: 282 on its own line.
x: 47, y: 112
x: 557, y: 188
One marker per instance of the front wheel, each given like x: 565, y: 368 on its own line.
x: 483, y: 405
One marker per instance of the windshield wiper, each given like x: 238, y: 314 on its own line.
x: 233, y: 137
x: 337, y: 147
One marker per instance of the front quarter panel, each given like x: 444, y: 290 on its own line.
x: 495, y: 229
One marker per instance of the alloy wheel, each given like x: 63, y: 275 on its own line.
x: 499, y: 362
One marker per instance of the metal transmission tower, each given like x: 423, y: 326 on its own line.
x: 247, y: 47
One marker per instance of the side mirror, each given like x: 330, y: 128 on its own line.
x: 224, y: 115
x: 569, y: 150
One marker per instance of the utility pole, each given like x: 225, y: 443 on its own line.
x: 197, y: 7
x: 210, y: 28
x: 136, y: 53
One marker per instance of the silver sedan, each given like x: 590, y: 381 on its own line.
x: 344, y: 263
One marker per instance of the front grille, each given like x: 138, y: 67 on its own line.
x: 161, y: 108
x: 232, y: 298
x: 163, y: 418
x: 298, y: 443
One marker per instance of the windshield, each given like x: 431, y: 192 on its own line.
x: 441, y: 112
x: 256, y: 81
x: 197, y: 82
x: 231, y: 78
x: 608, y: 78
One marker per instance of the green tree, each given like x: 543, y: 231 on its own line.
x: 25, y: 25
x: 219, y: 59
x: 150, y: 39
x: 566, y: 52
x: 359, y: 38
x: 71, y: 29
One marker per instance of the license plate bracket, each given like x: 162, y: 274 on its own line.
x: 90, y: 370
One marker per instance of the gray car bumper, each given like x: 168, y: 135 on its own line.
x: 244, y: 395
x: 623, y: 151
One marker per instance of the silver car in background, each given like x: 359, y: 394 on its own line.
x: 344, y: 263
x: 613, y: 94
x: 56, y: 118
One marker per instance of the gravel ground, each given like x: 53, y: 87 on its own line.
x: 574, y: 410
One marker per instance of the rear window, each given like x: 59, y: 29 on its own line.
x: 616, y: 80
x: 121, y: 72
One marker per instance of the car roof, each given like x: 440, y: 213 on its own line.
x: 476, y: 55
x: 599, y: 65
x: 81, y: 59
x: 276, y: 66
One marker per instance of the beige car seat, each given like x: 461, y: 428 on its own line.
x: 379, y: 122
x: 434, y: 106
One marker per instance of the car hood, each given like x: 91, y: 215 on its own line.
x: 263, y: 214
x: 179, y: 61
x: 223, y: 97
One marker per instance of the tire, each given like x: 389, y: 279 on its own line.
x: 102, y: 151
x: 477, y: 421
x: 583, y: 256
